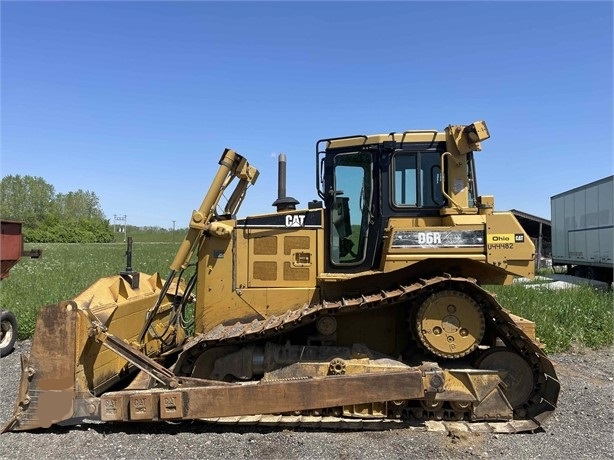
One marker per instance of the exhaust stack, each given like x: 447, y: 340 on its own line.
x: 283, y: 202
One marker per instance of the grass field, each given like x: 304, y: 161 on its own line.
x: 566, y: 318
x: 65, y: 270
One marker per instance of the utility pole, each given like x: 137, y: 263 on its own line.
x: 119, y: 224
x: 173, y: 231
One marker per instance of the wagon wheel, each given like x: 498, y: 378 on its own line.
x: 8, y: 332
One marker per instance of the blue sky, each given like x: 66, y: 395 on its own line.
x: 135, y: 101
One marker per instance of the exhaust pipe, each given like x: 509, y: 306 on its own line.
x: 283, y: 202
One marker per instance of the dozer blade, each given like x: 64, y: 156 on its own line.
x: 83, y: 347
x: 47, y: 389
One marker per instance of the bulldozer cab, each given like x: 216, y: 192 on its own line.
x: 366, y: 180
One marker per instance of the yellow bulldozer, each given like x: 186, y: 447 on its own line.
x: 364, y: 309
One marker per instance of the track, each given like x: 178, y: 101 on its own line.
x: 530, y: 416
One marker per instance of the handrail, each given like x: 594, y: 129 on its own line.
x: 419, y: 131
x: 319, y: 152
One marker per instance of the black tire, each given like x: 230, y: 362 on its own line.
x: 8, y: 332
x: 590, y: 273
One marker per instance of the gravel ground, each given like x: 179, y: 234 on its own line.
x: 581, y: 428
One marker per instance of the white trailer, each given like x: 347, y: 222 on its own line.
x: 582, y: 229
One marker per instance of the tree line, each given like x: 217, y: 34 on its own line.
x: 50, y: 217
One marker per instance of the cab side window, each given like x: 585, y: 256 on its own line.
x: 416, y: 179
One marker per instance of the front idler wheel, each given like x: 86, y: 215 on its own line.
x: 517, y: 374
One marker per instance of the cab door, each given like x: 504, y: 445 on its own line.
x: 350, y: 206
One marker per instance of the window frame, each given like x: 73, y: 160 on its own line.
x: 365, y: 207
x: 434, y: 188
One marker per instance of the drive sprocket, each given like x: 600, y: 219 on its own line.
x: 450, y: 324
